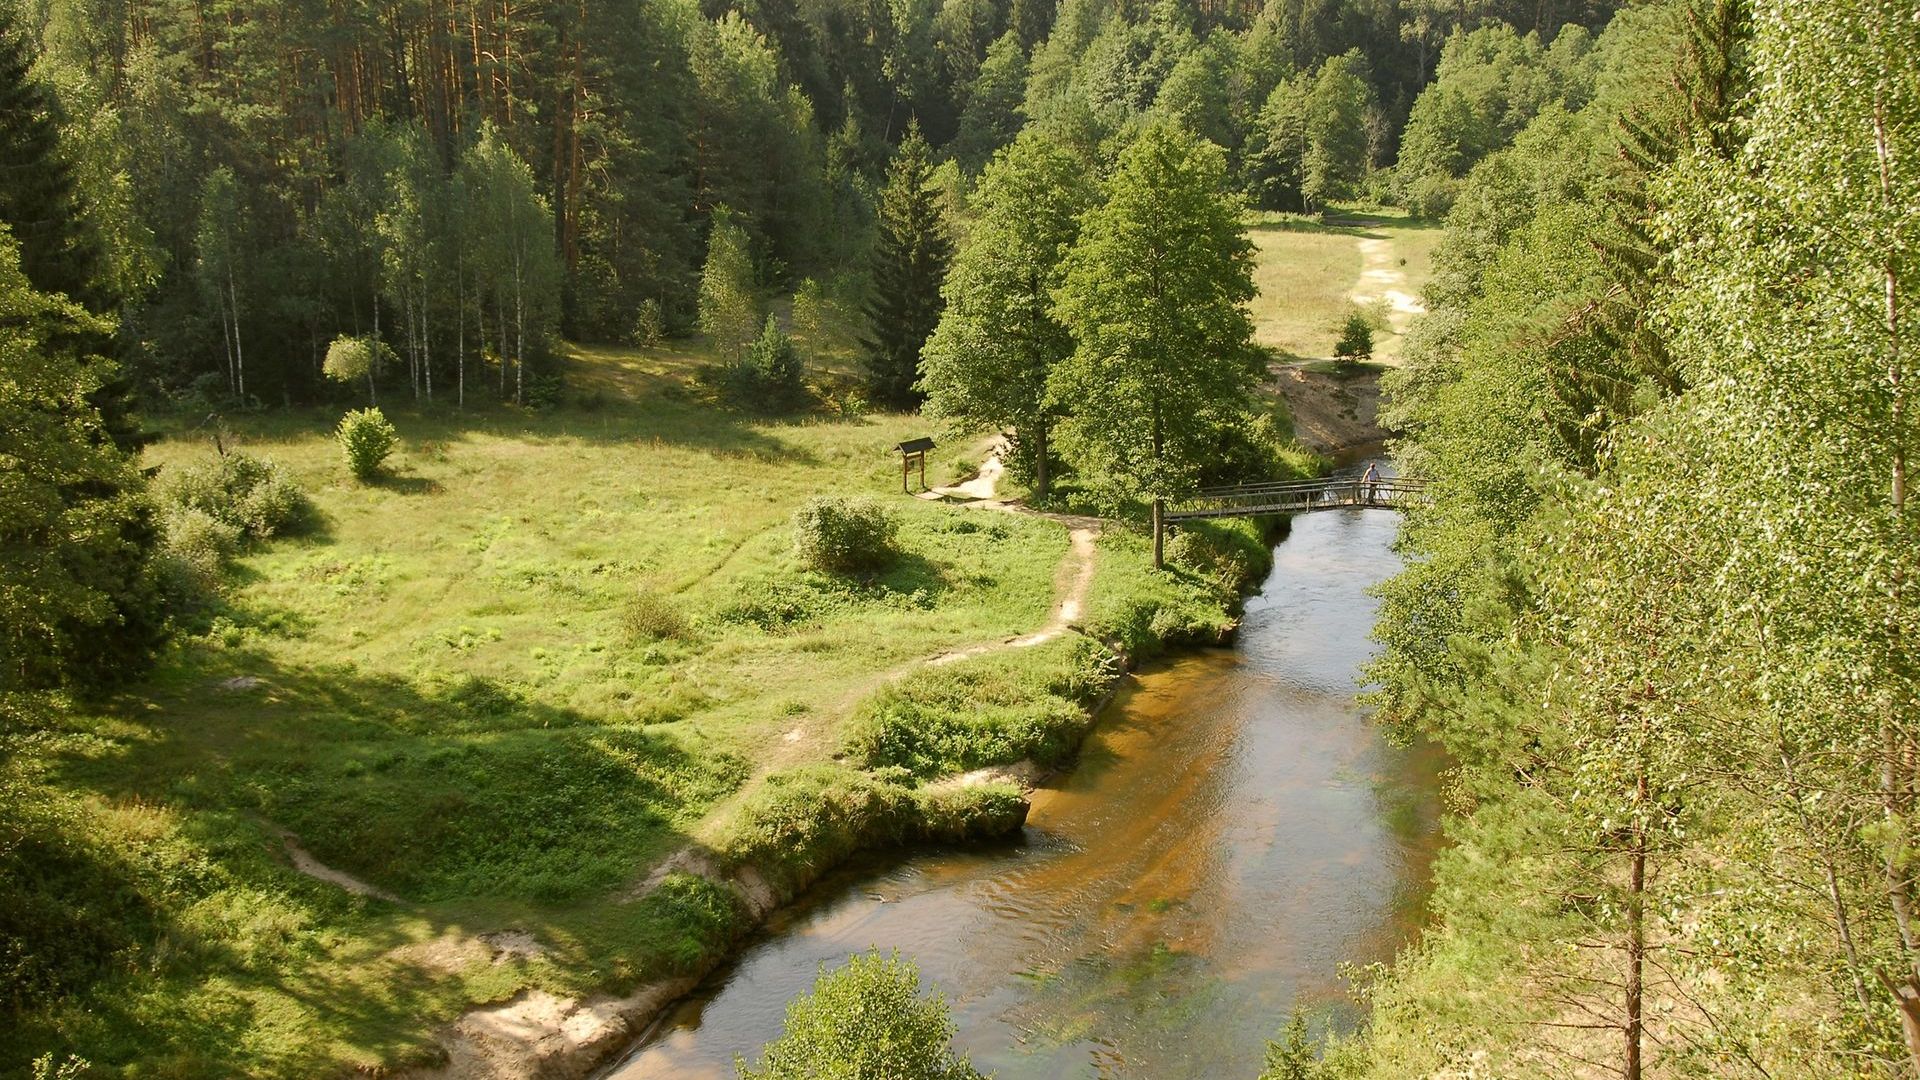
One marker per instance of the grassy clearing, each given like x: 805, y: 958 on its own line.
x: 542, y: 652
x: 1307, y: 272
x: 499, y: 684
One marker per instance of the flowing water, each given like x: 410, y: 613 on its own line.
x: 1233, y: 831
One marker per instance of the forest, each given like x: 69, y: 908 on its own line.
x: 640, y: 278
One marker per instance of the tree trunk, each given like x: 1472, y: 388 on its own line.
x: 1896, y: 779
x: 1636, y: 939
x: 1041, y: 478
x: 239, y: 353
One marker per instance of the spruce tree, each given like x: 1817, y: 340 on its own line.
x: 37, y: 198
x: 78, y: 604
x: 909, y: 265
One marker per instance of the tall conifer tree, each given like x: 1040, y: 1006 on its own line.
x: 36, y: 183
x: 909, y: 265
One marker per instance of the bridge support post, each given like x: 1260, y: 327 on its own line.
x: 1159, y: 534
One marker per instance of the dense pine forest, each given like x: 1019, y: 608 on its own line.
x: 1658, y: 613
x: 464, y: 181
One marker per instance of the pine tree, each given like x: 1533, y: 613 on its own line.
x: 37, y: 198
x: 909, y: 265
x: 998, y: 341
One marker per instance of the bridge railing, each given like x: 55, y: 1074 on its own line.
x: 1295, y: 496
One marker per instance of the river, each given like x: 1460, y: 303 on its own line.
x: 1233, y: 831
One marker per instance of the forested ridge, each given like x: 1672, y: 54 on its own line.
x: 263, y: 178
x: 1660, y: 611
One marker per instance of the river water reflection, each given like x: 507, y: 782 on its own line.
x: 1234, y: 830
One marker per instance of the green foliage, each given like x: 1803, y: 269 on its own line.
x: 866, y: 1021
x: 366, y: 437
x: 827, y: 315
x: 909, y: 265
x: 992, y: 117
x: 1275, y: 161
x: 993, y: 710
x: 649, y: 324
x: 729, y: 307
x: 77, y: 598
x: 650, y: 617
x: 241, y: 491
x: 998, y: 343
x: 769, y: 378
x: 1154, y: 294
x: 839, y: 535
x: 53, y: 251
x: 1356, y: 338
x: 517, y: 266
x: 1490, y: 84
x: 800, y: 821
x: 1670, y: 699
x: 1337, y: 154
x: 1144, y: 612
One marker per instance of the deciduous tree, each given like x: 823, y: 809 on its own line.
x: 998, y: 343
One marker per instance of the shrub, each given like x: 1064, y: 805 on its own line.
x: 1356, y: 339
x: 767, y: 378
x: 777, y: 604
x: 650, y: 616
x: 366, y: 438
x: 840, y: 535
x: 239, y: 490
x: 649, y: 324
x: 989, y: 711
x: 195, y: 550
x: 866, y: 1019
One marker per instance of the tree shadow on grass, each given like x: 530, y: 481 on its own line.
x: 482, y: 809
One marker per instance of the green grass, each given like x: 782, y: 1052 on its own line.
x: 1307, y: 272
x: 454, y: 707
x: 545, y: 650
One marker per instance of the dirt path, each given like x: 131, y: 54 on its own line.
x: 304, y: 862
x: 1382, y: 278
x: 538, y: 1033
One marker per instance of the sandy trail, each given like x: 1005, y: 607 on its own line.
x: 1382, y: 278
x: 536, y: 1032
x: 304, y: 862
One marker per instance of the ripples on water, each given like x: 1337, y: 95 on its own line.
x: 1233, y: 831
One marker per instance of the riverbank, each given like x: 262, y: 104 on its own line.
x: 948, y: 753
x: 1232, y: 830
x: 436, y: 751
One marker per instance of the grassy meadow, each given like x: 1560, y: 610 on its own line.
x: 502, y: 683
x: 1308, y: 272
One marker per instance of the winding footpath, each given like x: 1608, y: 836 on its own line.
x: 538, y: 1033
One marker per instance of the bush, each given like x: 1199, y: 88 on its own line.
x: 194, y: 552
x: 650, y: 617
x: 366, y: 438
x: 865, y: 1020
x: 239, y: 490
x: 1356, y: 339
x: 768, y: 378
x: 840, y: 535
x: 649, y: 324
x: 994, y: 710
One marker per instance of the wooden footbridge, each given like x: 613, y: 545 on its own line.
x: 1298, y: 496
x: 1288, y: 497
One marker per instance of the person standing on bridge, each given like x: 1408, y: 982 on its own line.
x: 1367, y: 480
